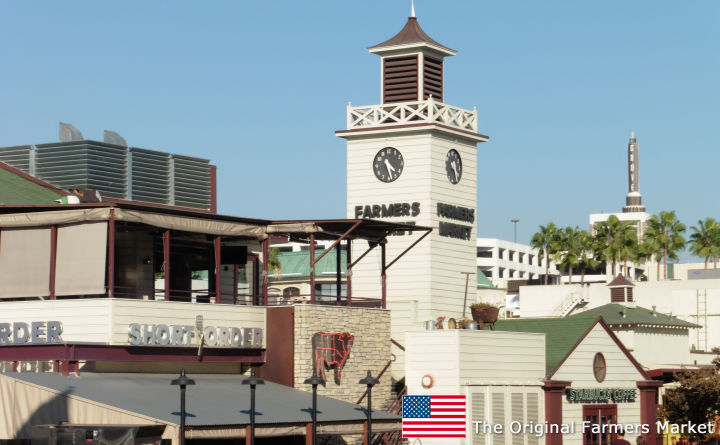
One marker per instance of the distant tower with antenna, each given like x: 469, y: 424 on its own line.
x: 633, y: 199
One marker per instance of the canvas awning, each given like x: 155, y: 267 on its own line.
x: 217, y: 405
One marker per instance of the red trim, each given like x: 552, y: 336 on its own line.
x: 348, y: 272
x: 166, y: 263
x: 100, y: 352
x: 213, y: 189
x: 554, y: 408
x: 659, y: 372
x: 617, y: 341
x: 111, y: 255
x: 53, y: 261
x: 266, y: 254
x: 312, y: 268
x: 33, y: 179
x: 218, y: 266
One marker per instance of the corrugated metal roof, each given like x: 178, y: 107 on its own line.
x: 213, y: 400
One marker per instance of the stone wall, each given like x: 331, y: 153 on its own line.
x: 370, y: 349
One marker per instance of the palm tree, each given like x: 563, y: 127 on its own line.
x: 665, y: 230
x: 587, y: 247
x: 704, y: 240
x: 545, y: 241
x: 568, y: 250
x: 629, y: 250
x: 614, y: 236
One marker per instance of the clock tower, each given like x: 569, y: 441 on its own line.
x: 413, y: 159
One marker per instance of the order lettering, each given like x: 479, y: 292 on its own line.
x: 187, y: 335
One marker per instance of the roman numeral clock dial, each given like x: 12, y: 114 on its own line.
x: 388, y: 164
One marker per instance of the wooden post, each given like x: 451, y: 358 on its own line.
x: 348, y: 273
x: 312, y: 268
x: 308, y: 434
x: 384, y: 275
x: 166, y: 263
x: 218, y: 260
x: 553, y: 409
x: 247, y: 435
x: 111, y: 255
x: 53, y: 260
x: 266, y: 254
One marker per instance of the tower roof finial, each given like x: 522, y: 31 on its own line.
x: 412, y: 8
x: 632, y: 135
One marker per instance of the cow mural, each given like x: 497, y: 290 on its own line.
x: 330, y: 351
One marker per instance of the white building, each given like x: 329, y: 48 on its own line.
x: 502, y: 260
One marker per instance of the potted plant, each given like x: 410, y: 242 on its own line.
x: 484, y: 313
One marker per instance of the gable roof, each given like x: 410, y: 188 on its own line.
x: 562, y: 336
x: 620, y: 315
x: 18, y: 187
x: 411, y: 35
x: 620, y: 281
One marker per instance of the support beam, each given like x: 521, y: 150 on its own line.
x: 266, y: 255
x: 111, y: 255
x: 338, y: 277
x: 218, y: 260
x: 383, y: 274
x: 312, y: 268
x: 409, y: 247
x: 348, y: 272
x: 166, y: 263
x: 337, y: 241
x: 53, y: 261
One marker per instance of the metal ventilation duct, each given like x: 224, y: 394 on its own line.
x: 68, y: 133
x: 18, y: 157
x: 191, y: 177
x: 113, y: 138
x: 84, y: 164
x: 149, y: 175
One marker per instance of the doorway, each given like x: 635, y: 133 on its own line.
x: 602, y: 419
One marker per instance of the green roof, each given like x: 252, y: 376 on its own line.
x: 16, y: 189
x: 561, y: 334
x: 483, y: 281
x: 297, y: 264
x: 617, y: 314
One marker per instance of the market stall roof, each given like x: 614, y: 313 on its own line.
x: 214, y: 400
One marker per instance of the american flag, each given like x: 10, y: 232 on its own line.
x: 433, y: 416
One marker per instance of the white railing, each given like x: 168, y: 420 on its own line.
x: 423, y: 111
x: 570, y: 302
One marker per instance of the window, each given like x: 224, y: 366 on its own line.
x: 603, y: 415
x: 291, y: 292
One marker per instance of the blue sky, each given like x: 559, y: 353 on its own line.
x: 260, y: 87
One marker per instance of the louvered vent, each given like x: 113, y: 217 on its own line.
x: 478, y: 415
x: 433, y: 78
x: 150, y: 175
x: 629, y: 294
x: 83, y: 164
x: 400, y: 79
x: 18, y: 157
x: 617, y: 295
x: 498, y: 416
x: 532, y: 416
x: 192, y: 182
x: 517, y: 414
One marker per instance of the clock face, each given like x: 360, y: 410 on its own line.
x: 599, y: 367
x: 388, y: 164
x: 453, y: 166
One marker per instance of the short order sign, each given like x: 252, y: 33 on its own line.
x: 187, y: 335
x: 36, y: 332
x: 601, y: 395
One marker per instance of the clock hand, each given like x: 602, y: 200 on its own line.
x: 389, y: 167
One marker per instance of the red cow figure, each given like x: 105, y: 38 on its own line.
x: 330, y: 350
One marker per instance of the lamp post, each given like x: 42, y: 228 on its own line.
x: 515, y: 221
x: 370, y: 381
x: 253, y: 382
x: 183, y: 381
x: 314, y: 381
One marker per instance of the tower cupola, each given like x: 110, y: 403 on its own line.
x: 412, y: 65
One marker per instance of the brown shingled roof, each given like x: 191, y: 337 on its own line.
x: 411, y: 33
x: 620, y: 281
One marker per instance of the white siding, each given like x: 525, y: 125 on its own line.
x: 578, y: 368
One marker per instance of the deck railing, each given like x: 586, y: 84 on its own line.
x: 424, y: 111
